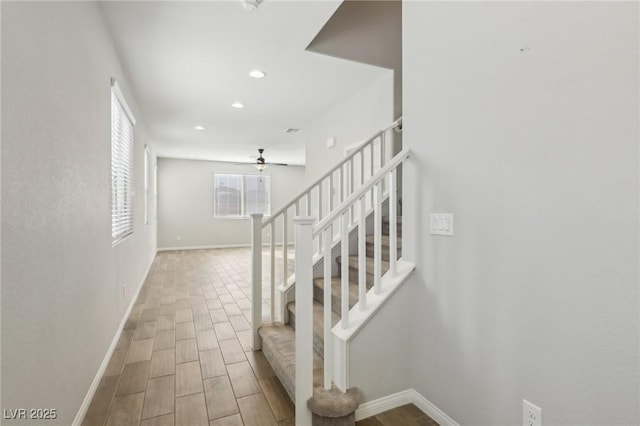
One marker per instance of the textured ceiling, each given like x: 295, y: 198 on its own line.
x: 187, y: 62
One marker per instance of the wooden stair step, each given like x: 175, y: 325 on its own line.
x: 318, y: 324
x: 384, y: 240
x: 386, y: 250
x: 336, y: 293
x: 279, y: 347
x: 353, y: 263
x: 385, y: 225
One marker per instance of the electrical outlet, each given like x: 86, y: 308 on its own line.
x: 178, y: 237
x: 531, y: 414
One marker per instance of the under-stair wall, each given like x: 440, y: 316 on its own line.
x: 378, y: 365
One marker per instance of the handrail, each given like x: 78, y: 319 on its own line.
x: 348, y: 158
x: 361, y: 191
x: 306, y: 233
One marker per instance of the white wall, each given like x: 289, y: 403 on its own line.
x: 62, y: 296
x: 185, y: 202
x: 378, y: 364
x: 351, y: 121
x: 523, y: 122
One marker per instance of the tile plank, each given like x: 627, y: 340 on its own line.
x: 234, y: 420
x: 255, y: 411
x: 165, y: 339
x: 160, y: 397
x: 163, y: 363
x: 242, y: 379
x: 188, y: 378
x: 191, y: 410
x: 126, y: 410
x: 207, y: 339
x: 140, y: 350
x: 261, y: 367
x: 212, y: 363
x: 221, y: 401
x: 134, y: 378
x: 166, y: 420
x: 277, y: 397
x: 224, y: 331
x: 232, y: 351
x: 185, y: 330
x: 186, y: 350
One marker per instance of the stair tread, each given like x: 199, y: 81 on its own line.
x: 279, y: 346
x: 336, y: 286
x: 318, y: 315
x: 385, y: 240
x: 353, y: 263
x: 385, y: 219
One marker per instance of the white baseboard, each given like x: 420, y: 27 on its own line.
x: 219, y: 246
x: 383, y: 404
x: 432, y: 411
x: 203, y: 247
x: 105, y: 362
x: 395, y: 400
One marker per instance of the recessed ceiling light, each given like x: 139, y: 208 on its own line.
x: 199, y: 128
x: 257, y: 74
x: 192, y: 155
x: 237, y: 105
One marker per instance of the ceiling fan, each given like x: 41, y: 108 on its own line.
x: 261, y: 162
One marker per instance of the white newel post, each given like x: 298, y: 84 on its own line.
x: 304, y: 317
x: 256, y: 279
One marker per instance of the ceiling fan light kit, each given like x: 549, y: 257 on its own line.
x: 261, y: 164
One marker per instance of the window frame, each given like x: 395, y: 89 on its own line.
x: 122, y: 168
x: 243, y: 214
x: 147, y: 182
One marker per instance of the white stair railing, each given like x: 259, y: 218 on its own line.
x: 320, y: 200
x: 305, y: 234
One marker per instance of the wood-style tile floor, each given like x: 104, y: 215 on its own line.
x: 184, y: 357
x: 407, y: 415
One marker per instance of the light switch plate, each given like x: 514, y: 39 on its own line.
x: 441, y: 223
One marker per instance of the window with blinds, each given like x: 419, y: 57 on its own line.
x: 147, y: 179
x: 237, y: 196
x: 122, y: 123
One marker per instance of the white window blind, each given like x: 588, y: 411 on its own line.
x: 240, y: 195
x: 147, y: 179
x: 257, y: 194
x: 228, y: 195
x: 122, y: 123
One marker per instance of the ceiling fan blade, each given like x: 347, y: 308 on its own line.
x: 277, y: 164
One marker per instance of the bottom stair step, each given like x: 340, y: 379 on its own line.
x: 329, y: 407
x: 279, y: 347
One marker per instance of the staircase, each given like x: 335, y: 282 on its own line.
x: 278, y: 340
x: 307, y: 335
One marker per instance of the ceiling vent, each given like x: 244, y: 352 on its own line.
x: 251, y: 4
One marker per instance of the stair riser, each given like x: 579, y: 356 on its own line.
x: 318, y: 341
x: 354, y: 276
x: 318, y: 295
x: 385, y: 229
x: 385, y: 251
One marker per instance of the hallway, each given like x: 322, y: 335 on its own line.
x: 184, y: 356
